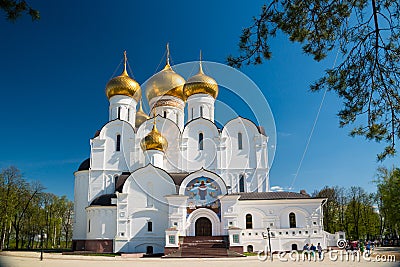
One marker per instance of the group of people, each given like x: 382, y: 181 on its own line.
x: 366, y: 246
x: 311, y: 249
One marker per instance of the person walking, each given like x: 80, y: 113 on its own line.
x: 319, y: 248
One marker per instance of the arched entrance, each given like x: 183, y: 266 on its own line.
x: 203, y: 227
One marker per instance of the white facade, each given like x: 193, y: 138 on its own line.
x: 130, y: 200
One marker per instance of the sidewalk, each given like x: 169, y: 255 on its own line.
x: 31, y: 259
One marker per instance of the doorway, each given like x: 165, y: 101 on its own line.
x: 203, y: 227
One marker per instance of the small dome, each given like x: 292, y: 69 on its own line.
x: 200, y: 84
x: 123, y: 85
x: 85, y: 165
x: 154, y: 141
x: 165, y: 82
x: 141, y: 116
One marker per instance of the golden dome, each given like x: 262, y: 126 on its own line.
x: 154, y: 140
x: 200, y: 84
x: 123, y: 85
x: 165, y: 82
x: 141, y: 116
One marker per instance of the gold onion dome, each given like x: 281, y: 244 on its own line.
x: 123, y: 85
x: 165, y: 82
x: 141, y: 116
x: 200, y: 84
x: 154, y: 140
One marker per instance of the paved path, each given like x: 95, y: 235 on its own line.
x: 31, y: 259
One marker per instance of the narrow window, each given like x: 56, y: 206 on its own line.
x: 129, y: 113
x: 165, y: 114
x: 115, y: 182
x: 201, y: 136
x: 149, y: 226
x: 118, y: 146
x: 119, y: 112
x: 240, y: 141
x: 192, y: 113
x: 292, y: 220
x: 177, y: 118
x: 249, y: 221
x: 241, y: 183
x: 201, y: 111
x: 88, y: 226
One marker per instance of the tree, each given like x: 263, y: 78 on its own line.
x: 15, y: 8
x: 25, y: 211
x: 365, y: 34
x: 388, y: 183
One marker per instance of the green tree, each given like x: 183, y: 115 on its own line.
x: 388, y: 196
x: 365, y: 33
x: 15, y: 8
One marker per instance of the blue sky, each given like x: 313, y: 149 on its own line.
x: 54, y: 71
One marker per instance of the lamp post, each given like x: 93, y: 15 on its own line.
x: 41, y: 244
x: 269, y: 241
x: 42, y: 236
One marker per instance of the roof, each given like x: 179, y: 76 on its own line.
x: 178, y: 177
x: 103, y: 200
x: 271, y: 195
x: 85, y: 165
x: 121, y: 181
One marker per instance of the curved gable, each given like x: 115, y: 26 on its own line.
x: 202, y: 173
x: 149, y: 174
x: 203, y: 123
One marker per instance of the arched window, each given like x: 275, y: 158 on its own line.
x: 292, y: 220
x: 250, y: 248
x: 118, y: 146
x: 201, y: 137
x: 249, y: 221
x: 165, y: 114
x: 240, y: 141
x: 241, y: 183
x: 201, y: 111
x: 119, y: 112
x: 88, y: 226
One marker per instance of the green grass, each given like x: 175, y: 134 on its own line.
x: 250, y: 253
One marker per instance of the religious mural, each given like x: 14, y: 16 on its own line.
x: 203, y: 192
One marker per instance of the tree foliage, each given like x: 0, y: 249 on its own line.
x: 388, y: 198
x: 15, y: 8
x: 365, y: 34
x: 350, y: 210
x: 25, y: 210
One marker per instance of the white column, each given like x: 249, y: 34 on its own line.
x: 169, y: 107
x: 154, y: 157
x: 201, y: 105
x: 124, y: 108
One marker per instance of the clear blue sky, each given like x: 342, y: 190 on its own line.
x: 53, y: 74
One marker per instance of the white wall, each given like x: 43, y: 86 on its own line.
x: 102, y: 221
x: 142, y: 201
x: 81, y: 189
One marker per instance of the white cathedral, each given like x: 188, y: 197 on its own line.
x: 185, y: 188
